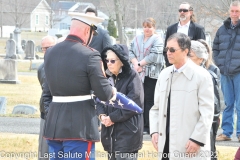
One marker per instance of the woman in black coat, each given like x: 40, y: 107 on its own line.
x: 122, y: 130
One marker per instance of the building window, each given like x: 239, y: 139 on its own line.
x: 47, y: 20
x: 37, y: 19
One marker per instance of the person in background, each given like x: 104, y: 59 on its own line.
x: 47, y: 42
x: 226, y: 56
x: 187, y: 25
x: 181, y: 118
x: 146, y: 56
x: 122, y: 130
x: 199, y: 54
x: 101, y: 40
x: 73, y: 73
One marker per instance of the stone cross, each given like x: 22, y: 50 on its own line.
x: 17, y: 38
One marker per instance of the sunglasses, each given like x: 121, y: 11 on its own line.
x: 183, y: 10
x: 111, y: 61
x: 171, y: 49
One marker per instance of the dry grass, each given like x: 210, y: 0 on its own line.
x: 28, y: 144
x: 27, y: 92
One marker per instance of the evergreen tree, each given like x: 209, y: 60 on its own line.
x: 112, y: 28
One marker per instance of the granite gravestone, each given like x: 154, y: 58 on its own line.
x: 23, y: 44
x: 8, y: 71
x: 11, y: 49
x: 3, y: 104
x: 30, y: 50
x: 24, y: 109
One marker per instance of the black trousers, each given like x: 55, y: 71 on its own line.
x: 149, y: 88
x: 213, y: 135
x: 166, y: 149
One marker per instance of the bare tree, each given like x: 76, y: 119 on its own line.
x: 119, y: 20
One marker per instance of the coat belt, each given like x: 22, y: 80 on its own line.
x: 65, y: 99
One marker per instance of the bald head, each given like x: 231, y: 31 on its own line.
x: 48, y: 41
x: 80, y: 29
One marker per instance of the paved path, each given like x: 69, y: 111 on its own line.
x: 31, y: 126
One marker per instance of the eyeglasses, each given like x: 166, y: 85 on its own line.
x: 111, y: 61
x: 171, y: 49
x: 183, y: 10
x: 45, y: 48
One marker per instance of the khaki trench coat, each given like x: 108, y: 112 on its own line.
x: 191, y: 110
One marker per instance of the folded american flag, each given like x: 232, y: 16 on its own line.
x: 123, y: 102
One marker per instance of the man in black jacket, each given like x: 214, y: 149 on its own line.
x: 185, y: 25
x: 47, y: 42
x: 74, y: 72
x: 102, y: 39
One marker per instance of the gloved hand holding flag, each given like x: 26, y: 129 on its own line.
x: 123, y: 102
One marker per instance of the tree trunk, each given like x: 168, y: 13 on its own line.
x: 119, y: 21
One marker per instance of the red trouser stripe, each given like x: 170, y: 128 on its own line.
x: 88, y: 150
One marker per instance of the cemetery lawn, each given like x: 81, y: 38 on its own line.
x: 28, y: 144
x: 28, y: 91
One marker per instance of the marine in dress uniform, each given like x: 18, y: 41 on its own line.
x: 73, y: 72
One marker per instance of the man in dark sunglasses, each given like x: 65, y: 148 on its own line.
x: 185, y: 25
x: 182, y: 114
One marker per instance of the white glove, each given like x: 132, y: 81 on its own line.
x: 114, y: 91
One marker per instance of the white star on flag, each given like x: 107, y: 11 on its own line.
x: 119, y: 103
x: 111, y: 102
x: 103, y: 102
x: 131, y: 102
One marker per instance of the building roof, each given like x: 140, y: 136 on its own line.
x: 63, y: 5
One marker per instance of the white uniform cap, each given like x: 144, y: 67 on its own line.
x: 90, y: 20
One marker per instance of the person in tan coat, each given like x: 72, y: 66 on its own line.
x: 181, y: 118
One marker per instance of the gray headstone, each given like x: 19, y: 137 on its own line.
x: 30, y: 50
x: 11, y: 49
x: 8, y: 71
x: 23, y: 44
x: 3, y: 104
x: 24, y: 109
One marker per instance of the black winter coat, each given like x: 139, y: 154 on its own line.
x: 195, y: 32
x: 126, y: 134
x: 226, y: 49
x: 41, y: 76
